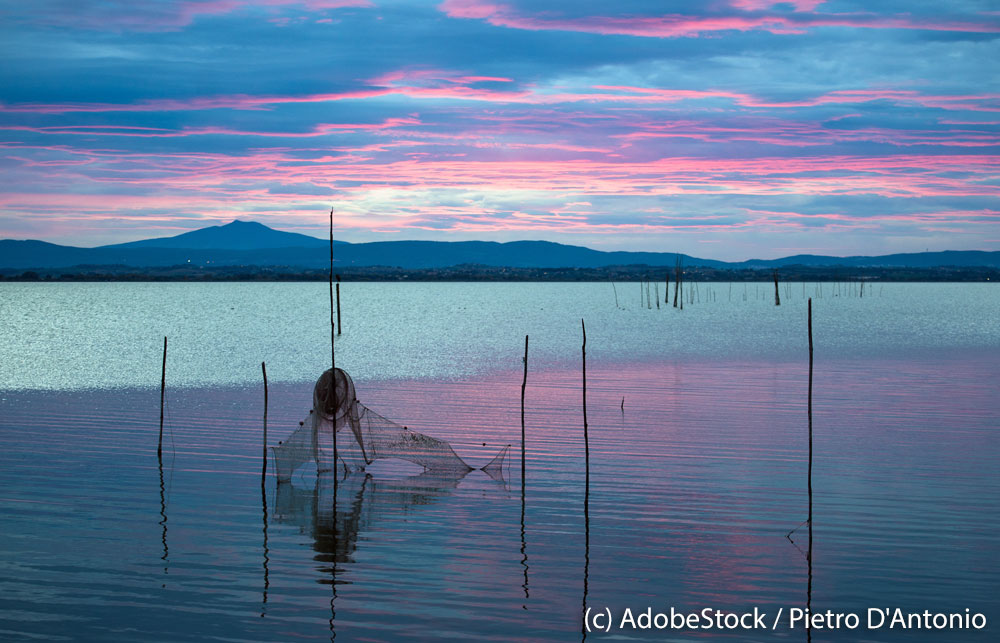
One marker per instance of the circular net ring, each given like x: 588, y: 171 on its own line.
x: 338, y: 405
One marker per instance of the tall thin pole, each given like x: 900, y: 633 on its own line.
x: 263, y: 494
x: 810, y: 412
x: 336, y: 460
x: 586, y: 488
x: 524, y: 553
x: 524, y: 384
x: 339, y: 325
x: 333, y: 360
x: 586, y: 438
x: 163, y: 391
x: 263, y: 469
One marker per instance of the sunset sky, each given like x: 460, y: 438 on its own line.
x: 727, y: 129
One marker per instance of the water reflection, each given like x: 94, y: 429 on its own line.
x: 163, y: 522
x: 362, y: 501
x: 267, y: 559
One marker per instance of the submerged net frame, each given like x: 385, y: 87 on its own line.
x: 374, y: 437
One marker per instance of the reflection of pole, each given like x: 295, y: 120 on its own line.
x: 263, y: 504
x: 809, y: 556
x: 524, y: 553
x: 586, y: 488
x: 163, y: 522
x: 163, y: 390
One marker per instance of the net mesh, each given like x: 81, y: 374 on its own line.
x: 374, y: 436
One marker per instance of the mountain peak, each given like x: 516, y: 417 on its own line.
x: 237, y: 223
x: 235, y: 235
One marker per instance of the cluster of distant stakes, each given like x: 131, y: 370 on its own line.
x: 650, y: 296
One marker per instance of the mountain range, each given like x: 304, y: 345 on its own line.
x: 251, y: 244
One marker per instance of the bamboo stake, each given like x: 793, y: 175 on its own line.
x: 586, y: 438
x: 336, y: 457
x: 263, y: 469
x: 333, y: 357
x: 777, y: 297
x: 810, y: 415
x: 524, y: 384
x: 340, y: 326
x: 677, y: 278
x: 586, y: 492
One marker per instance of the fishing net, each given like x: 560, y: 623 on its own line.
x: 370, y: 437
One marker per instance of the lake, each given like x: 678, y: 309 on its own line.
x: 698, y: 447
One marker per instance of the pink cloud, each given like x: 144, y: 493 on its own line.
x: 321, y: 129
x: 445, y: 85
x: 169, y: 16
x: 760, y: 5
x: 676, y: 25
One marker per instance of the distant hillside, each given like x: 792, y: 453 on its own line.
x: 238, y: 235
x: 253, y: 245
x: 960, y: 258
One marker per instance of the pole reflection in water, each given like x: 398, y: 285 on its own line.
x: 263, y: 503
x: 163, y: 522
x: 363, y: 503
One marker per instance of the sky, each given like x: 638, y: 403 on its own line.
x: 728, y: 129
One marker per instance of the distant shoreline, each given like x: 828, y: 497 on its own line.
x: 497, y: 274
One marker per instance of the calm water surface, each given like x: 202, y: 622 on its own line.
x: 693, y: 487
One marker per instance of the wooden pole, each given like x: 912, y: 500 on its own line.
x: 524, y: 553
x: 809, y: 556
x: 336, y: 462
x: 163, y: 390
x: 677, y: 278
x: 681, y: 277
x: 777, y: 297
x: 524, y: 384
x: 586, y: 489
x: 810, y: 414
x: 263, y: 469
x: 340, y: 326
x: 263, y: 493
x: 333, y: 358
x: 586, y: 437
